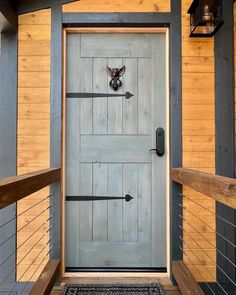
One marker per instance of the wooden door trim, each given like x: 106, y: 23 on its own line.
x: 63, y: 164
x: 102, y: 30
x: 113, y: 30
x: 114, y: 19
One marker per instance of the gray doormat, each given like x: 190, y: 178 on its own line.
x: 116, y: 289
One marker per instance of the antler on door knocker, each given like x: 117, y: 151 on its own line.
x: 115, y: 75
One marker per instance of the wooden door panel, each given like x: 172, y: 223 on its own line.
x: 144, y: 203
x: 115, y: 212
x: 107, y: 152
x: 100, y: 224
x: 114, y: 103
x: 103, y: 148
x: 130, y: 106
x: 86, y: 208
x: 130, y: 210
x: 115, y: 254
x: 99, y: 104
x: 145, y: 96
x: 86, y: 105
x: 115, y: 45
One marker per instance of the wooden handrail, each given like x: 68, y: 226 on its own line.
x: 47, y: 278
x: 185, y: 280
x: 13, y: 189
x: 219, y: 188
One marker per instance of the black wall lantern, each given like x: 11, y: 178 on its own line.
x: 206, y: 17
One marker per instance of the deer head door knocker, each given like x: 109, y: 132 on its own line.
x: 115, y: 75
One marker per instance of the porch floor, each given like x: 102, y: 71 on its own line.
x: 97, y: 278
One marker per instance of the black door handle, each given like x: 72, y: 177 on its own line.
x: 160, y: 142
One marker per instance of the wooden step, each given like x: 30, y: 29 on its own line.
x: 185, y: 279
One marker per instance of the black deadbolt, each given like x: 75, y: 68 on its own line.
x: 160, y: 142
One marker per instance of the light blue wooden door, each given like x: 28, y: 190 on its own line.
x: 107, y: 152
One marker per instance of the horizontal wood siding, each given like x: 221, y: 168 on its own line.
x: 118, y: 6
x: 198, y: 147
x: 33, y: 133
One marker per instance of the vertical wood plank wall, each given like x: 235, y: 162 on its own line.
x: 33, y: 133
x: 198, y: 147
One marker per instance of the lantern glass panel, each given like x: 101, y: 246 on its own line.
x: 205, y: 17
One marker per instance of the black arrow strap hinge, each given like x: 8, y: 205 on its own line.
x: 127, y: 95
x: 127, y: 198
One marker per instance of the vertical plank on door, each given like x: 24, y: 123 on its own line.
x: 86, y: 127
x: 72, y: 234
x: 144, y: 202
x: 130, y: 106
x: 72, y: 155
x: 86, y: 104
x: 86, y: 208
x: 115, y: 207
x: 100, y: 104
x: 73, y: 62
x: 130, y: 218
x: 145, y: 96
x: 100, y: 207
x: 159, y: 164
x: 72, y: 181
x: 114, y: 103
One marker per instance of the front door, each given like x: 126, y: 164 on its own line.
x: 108, y: 139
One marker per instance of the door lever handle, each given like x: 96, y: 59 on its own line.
x: 160, y: 142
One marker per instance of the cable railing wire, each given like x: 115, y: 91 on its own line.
x: 33, y: 206
x: 11, y: 236
x: 181, y: 249
x: 37, y: 269
x: 213, y: 230
x: 24, y: 242
x: 214, y: 247
x: 8, y: 275
x: 50, y: 208
x: 50, y: 228
x: 209, y: 271
x: 184, y: 252
x: 200, y: 247
x: 219, y: 217
x: 226, y: 275
x: 48, y: 243
x: 192, y: 250
x: 15, y: 268
x: 15, y: 251
x: 22, y: 213
x: 41, y: 251
x: 32, y: 220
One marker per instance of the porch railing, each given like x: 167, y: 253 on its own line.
x: 206, y: 247
x: 28, y: 259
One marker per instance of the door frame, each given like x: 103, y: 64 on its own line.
x: 102, y: 30
x: 171, y: 20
